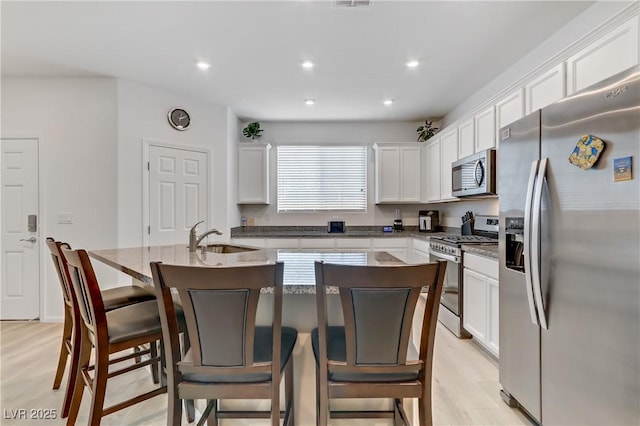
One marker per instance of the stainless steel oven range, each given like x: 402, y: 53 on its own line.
x: 448, y: 247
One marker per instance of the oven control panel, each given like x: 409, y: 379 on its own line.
x: 444, y: 248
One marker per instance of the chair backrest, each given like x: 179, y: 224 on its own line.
x: 220, y: 305
x: 87, y: 290
x: 378, y: 304
x: 59, y: 263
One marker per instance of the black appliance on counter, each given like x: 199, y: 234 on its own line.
x: 449, y: 247
x: 429, y: 221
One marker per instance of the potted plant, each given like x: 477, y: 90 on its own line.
x: 252, y: 130
x: 426, y: 131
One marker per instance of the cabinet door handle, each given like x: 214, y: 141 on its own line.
x: 29, y: 240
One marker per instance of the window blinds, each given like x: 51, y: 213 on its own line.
x: 322, y: 178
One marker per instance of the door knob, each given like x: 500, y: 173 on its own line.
x: 30, y: 240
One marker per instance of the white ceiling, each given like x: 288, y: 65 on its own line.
x: 255, y: 50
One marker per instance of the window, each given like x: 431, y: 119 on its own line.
x: 299, y: 267
x: 322, y: 178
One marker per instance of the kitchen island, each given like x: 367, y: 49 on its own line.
x: 299, y: 304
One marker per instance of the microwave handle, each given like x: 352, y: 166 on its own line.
x: 475, y: 173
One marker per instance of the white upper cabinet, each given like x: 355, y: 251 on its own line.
x: 546, y: 89
x: 448, y: 154
x: 432, y: 165
x: 485, y: 129
x: 612, y: 53
x: 509, y: 109
x: 398, y: 171
x: 253, y: 173
x: 466, y: 138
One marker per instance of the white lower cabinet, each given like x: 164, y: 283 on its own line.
x: 480, y: 305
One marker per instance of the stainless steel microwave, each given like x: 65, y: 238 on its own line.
x: 474, y: 175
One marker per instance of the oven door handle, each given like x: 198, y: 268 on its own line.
x: 449, y: 257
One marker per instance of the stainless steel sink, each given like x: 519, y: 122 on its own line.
x: 226, y: 248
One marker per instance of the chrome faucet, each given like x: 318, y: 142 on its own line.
x: 194, y: 241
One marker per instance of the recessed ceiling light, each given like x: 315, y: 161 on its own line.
x: 203, y: 65
x: 388, y: 102
x: 308, y: 64
x: 413, y: 64
x: 309, y: 101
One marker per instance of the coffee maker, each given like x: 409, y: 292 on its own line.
x: 429, y: 221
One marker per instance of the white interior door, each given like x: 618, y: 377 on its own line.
x: 20, y: 238
x: 178, y: 193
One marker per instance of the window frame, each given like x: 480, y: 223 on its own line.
x: 315, y: 209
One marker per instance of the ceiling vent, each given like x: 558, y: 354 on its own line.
x: 352, y: 3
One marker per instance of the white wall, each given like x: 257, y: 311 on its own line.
x: 550, y: 52
x: 91, y: 132
x: 348, y: 132
x: 75, y: 120
x: 142, y: 114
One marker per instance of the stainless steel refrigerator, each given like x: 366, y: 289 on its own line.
x: 570, y: 258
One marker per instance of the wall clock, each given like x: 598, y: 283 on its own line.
x: 179, y: 119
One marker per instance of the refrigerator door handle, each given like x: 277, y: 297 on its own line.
x: 527, y: 242
x: 535, y: 246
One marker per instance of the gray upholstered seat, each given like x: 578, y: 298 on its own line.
x: 137, y: 320
x: 337, y: 351
x: 262, y: 351
x: 118, y: 297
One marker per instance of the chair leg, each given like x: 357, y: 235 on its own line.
x: 78, y: 387
x: 62, y: 360
x: 174, y: 406
x: 76, y: 342
x: 275, y: 404
x: 288, y: 391
x: 156, y: 369
x: 190, y: 407
x: 212, y: 417
x: 425, y: 414
x: 188, y: 403
x: 398, y: 411
x: 322, y: 395
x: 101, y: 373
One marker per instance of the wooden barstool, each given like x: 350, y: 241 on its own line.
x: 113, y: 298
x: 107, y: 333
x: 367, y: 357
x: 230, y: 357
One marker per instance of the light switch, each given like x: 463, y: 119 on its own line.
x: 65, y: 218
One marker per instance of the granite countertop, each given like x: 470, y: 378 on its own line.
x: 321, y: 232
x: 488, y: 250
x: 299, y: 272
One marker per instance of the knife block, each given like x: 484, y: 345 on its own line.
x: 467, y: 228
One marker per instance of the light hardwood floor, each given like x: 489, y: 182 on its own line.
x: 465, y: 388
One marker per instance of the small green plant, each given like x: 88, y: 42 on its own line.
x: 252, y: 130
x: 426, y: 131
